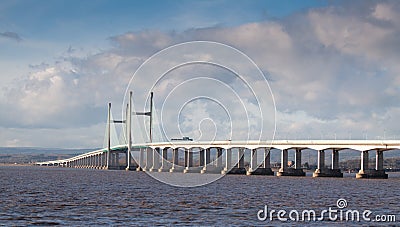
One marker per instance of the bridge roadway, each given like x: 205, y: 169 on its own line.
x: 154, y: 157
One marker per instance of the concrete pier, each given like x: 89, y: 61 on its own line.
x: 164, y: 161
x: 285, y: 170
x: 378, y: 172
x: 129, y: 165
x: 253, y: 162
x: 322, y: 171
x: 239, y: 167
x: 189, y: 167
x: 206, y: 160
x: 149, y: 159
x: 264, y: 168
x: 141, y: 162
x: 175, y: 162
x: 156, y: 160
x: 216, y: 165
x: 228, y: 161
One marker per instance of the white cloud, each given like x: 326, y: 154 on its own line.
x: 384, y: 11
x: 332, y: 71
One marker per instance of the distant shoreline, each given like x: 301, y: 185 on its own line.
x: 16, y: 164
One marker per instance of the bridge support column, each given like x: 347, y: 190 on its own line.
x: 88, y: 162
x: 149, y: 159
x: 175, y: 161
x: 202, y: 158
x: 378, y: 172
x: 265, y: 168
x: 219, y: 158
x: 112, y: 161
x: 334, y: 171
x: 239, y: 167
x: 335, y: 159
x: 129, y: 161
x: 189, y: 162
x: 156, y: 160
x: 97, y: 161
x: 212, y: 167
x: 364, y: 161
x: 285, y: 170
x: 228, y: 161
x: 141, y: 163
x: 207, y: 161
x: 253, y: 162
x: 111, y: 164
x: 102, y: 162
x: 93, y: 162
x: 117, y: 164
x: 297, y: 164
x: 379, y: 160
x: 164, y: 161
x: 320, y: 164
x: 202, y: 162
x: 284, y: 163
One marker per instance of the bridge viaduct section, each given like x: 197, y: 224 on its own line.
x: 228, y: 157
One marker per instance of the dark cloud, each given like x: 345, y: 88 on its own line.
x: 11, y: 35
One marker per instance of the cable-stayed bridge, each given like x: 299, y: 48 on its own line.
x: 222, y: 157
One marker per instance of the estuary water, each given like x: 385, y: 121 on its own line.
x: 76, y: 197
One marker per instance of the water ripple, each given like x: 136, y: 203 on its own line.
x: 61, y: 196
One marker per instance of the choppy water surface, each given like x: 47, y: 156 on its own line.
x: 63, y: 196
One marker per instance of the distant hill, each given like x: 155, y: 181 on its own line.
x: 24, y: 155
x: 40, y: 150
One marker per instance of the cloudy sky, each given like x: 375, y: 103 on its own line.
x: 332, y: 67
